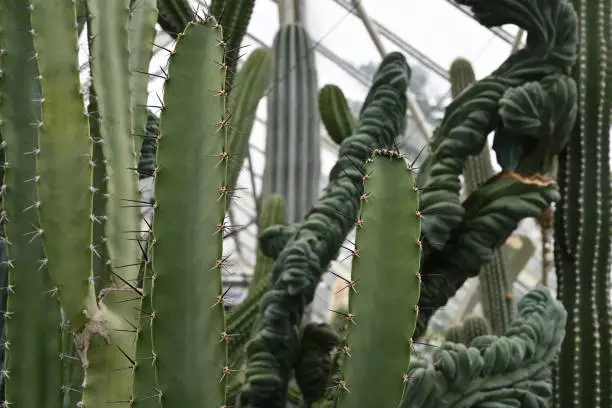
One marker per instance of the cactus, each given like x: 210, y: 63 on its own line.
x: 475, y: 326
x: 493, y: 279
x: 582, y: 222
x: 488, y: 373
x: 155, y: 334
x: 377, y: 351
x: 335, y: 113
x: 292, y: 141
x: 299, y: 266
x: 454, y: 334
x: 515, y: 102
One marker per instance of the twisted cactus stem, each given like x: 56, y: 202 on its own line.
x: 583, y: 221
x: 512, y: 370
x: 293, y: 150
x: 493, y: 280
x: 477, y: 111
x: 377, y: 351
x: 317, y: 241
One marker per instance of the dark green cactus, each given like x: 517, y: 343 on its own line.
x: 454, y: 334
x: 335, y: 113
x: 583, y: 222
x: 530, y: 88
x: 475, y: 326
x: 509, y: 371
x: 493, y: 280
x: 293, y: 151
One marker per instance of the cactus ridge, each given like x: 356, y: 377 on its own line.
x: 318, y: 239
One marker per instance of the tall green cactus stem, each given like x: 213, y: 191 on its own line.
x: 143, y: 15
x: 252, y: 82
x: 293, y: 148
x: 64, y: 154
x: 582, y: 222
x: 492, y: 213
x: 493, y: 281
x: 317, y: 241
x: 531, y: 118
x: 110, y: 67
x: 335, y: 113
x: 234, y: 16
x: 32, y: 369
x: 509, y: 371
x: 189, y: 223
x: 378, y: 350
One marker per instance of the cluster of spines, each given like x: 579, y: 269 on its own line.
x: 582, y: 225
x: 389, y: 196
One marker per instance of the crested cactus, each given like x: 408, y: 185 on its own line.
x: 582, y: 222
x: 293, y: 148
x: 493, y: 280
x: 488, y: 373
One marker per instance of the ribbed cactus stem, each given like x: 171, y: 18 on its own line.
x: 493, y: 281
x: 189, y: 338
x: 583, y: 221
x: 377, y: 350
x: 293, y: 161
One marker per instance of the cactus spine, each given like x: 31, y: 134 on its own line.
x: 377, y: 351
x: 583, y: 221
x: 492, y: 279
x: 292, y: 143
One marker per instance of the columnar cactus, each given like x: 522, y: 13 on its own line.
x: 583, y: 222
x: 377, y: 351
x: 293, y: 149
x: 335, y: 113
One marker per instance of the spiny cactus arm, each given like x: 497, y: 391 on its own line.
x: 494, y: 285
x: 234, y: 16
x: 314, y: 362
x: 251, y: 84
x: 387, y: 282
x: 110, y: 67
x: 317, y: 241
x: 335, y: 113
x: 63, y: 161
x: 143, y: 15
x: 551, y: 50
x: 174, y: 15
x: 583, y: 234
x: 508, y: 371
x: 31, y: 338
x: 188, y: 330
x: 492, y: 214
